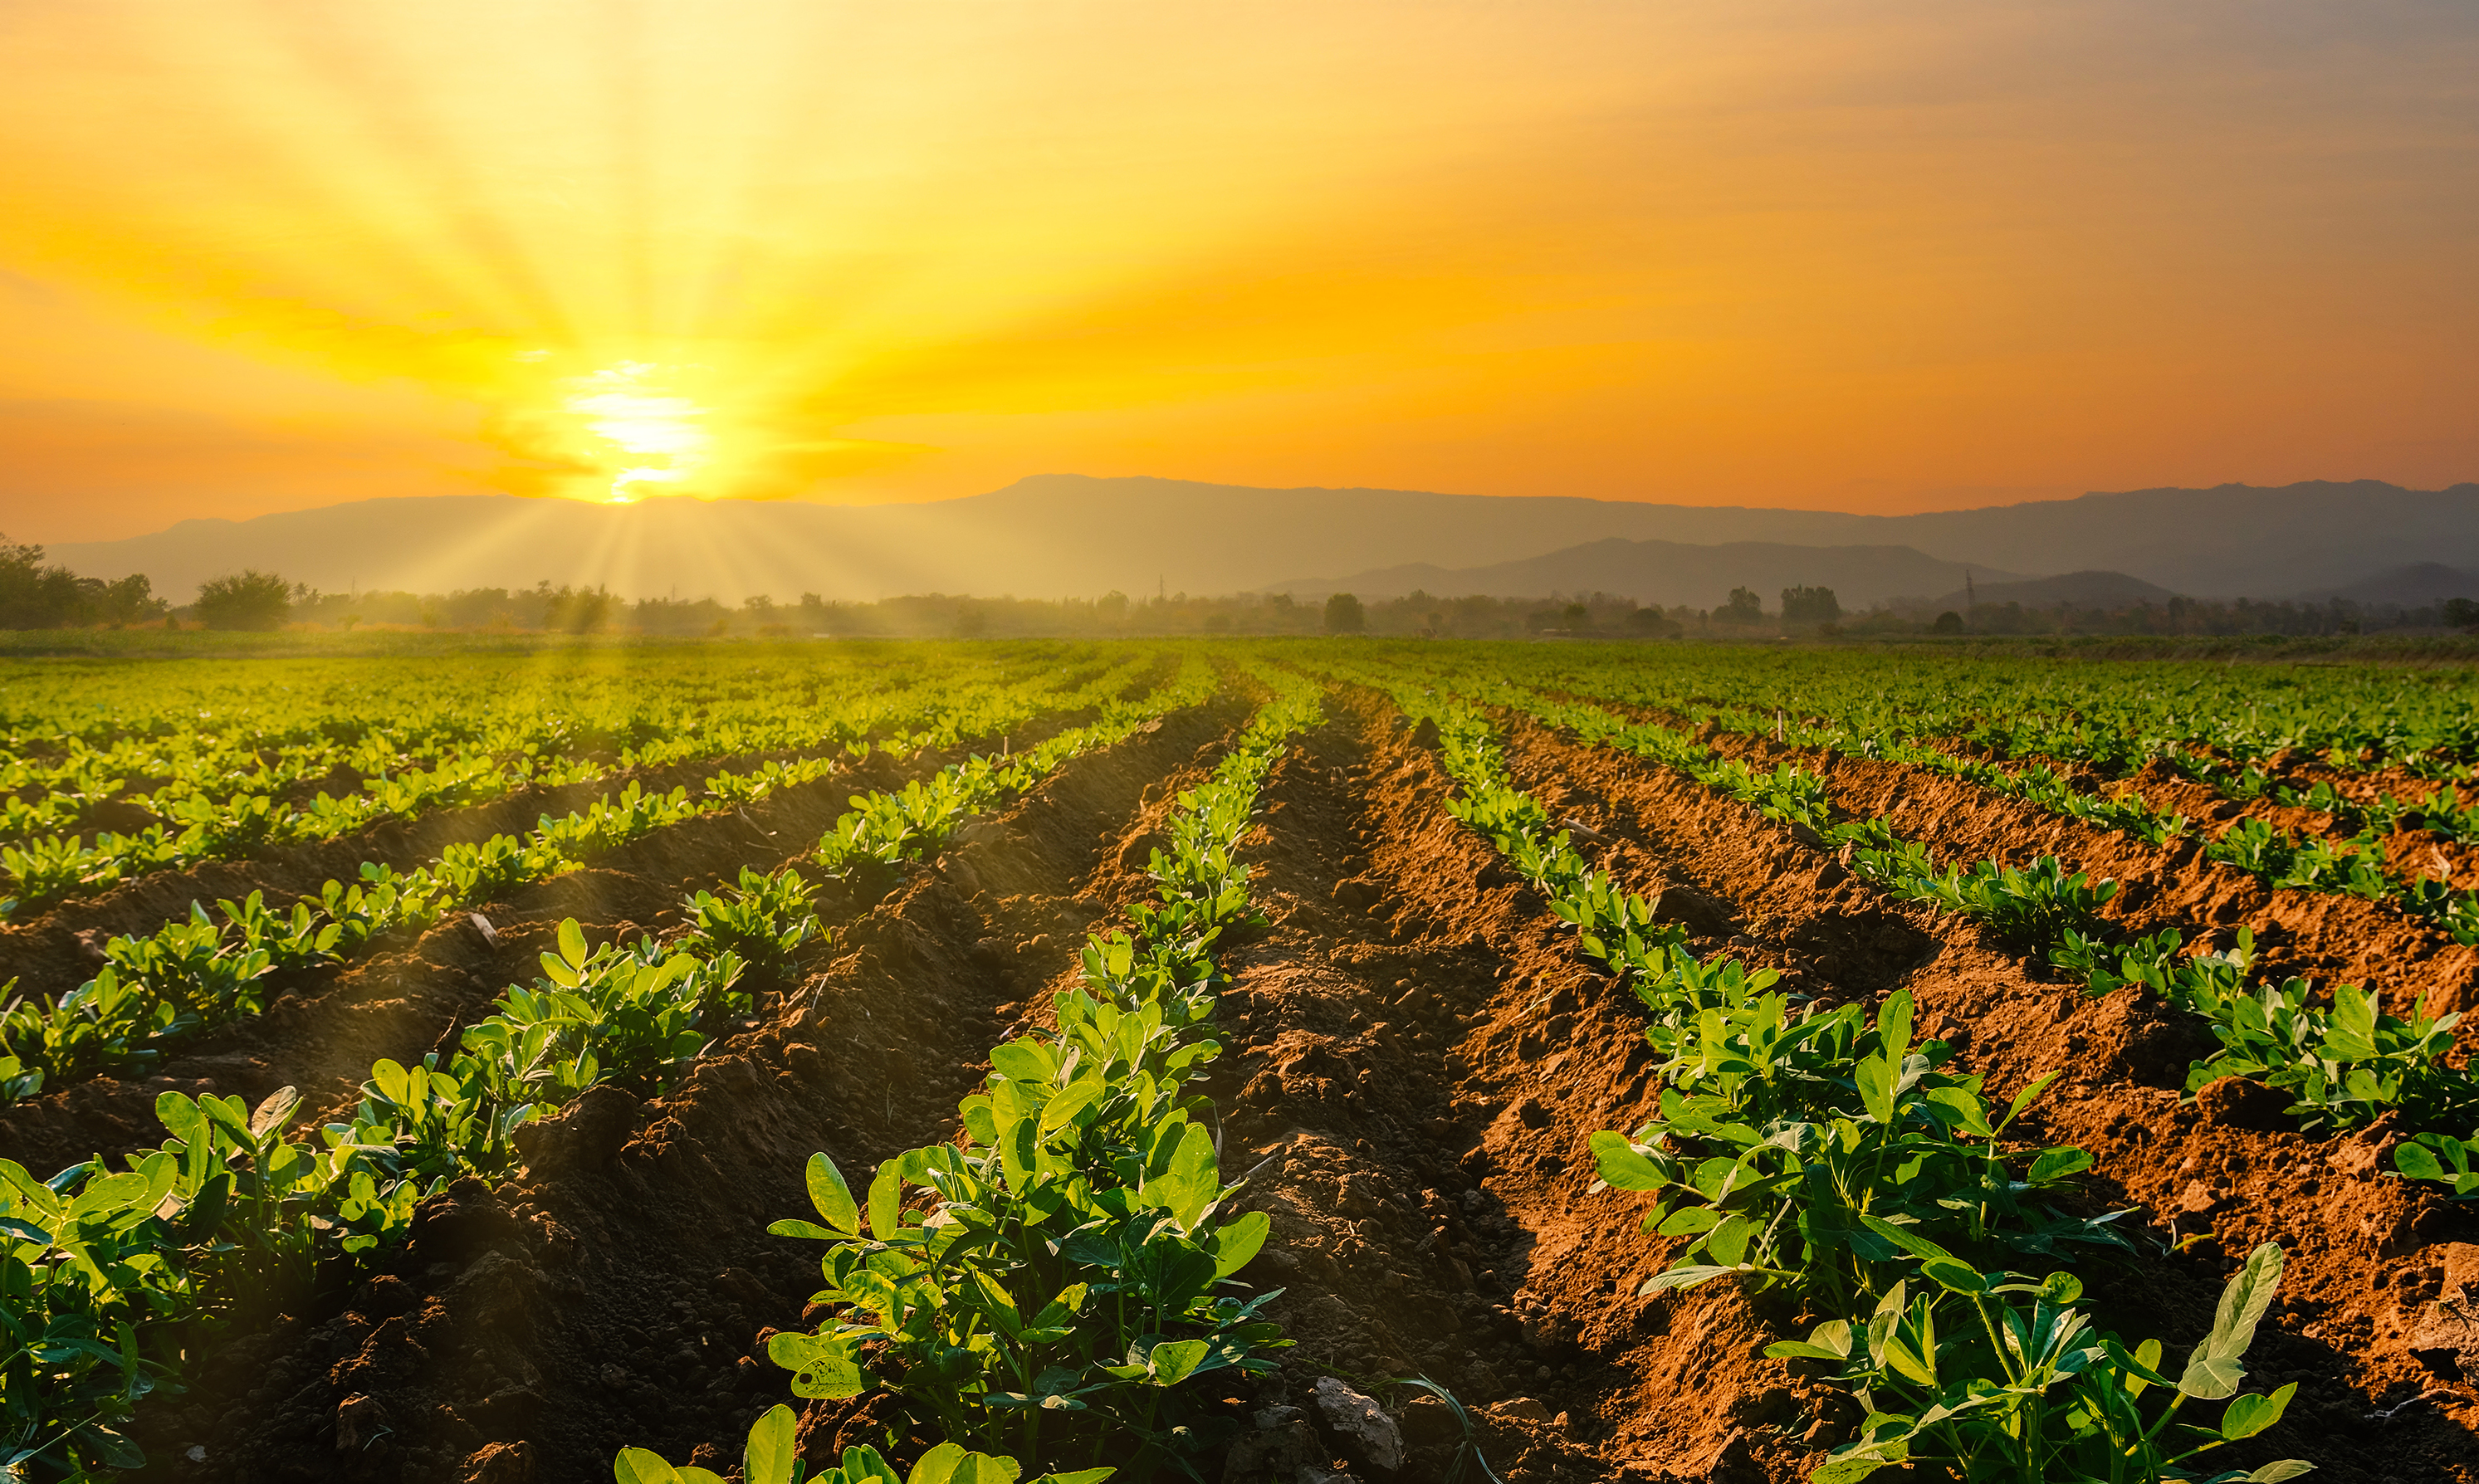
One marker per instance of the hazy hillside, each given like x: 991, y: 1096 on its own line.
x: 1668, y: 573
x: 1059, y: 534
x: 2412, y: 585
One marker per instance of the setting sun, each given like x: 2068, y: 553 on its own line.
x: 654, y: 436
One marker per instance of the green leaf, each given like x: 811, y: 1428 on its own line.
x: 885, y: 1201
x: 2025, y: 1098
x: 2057, y: 1164
x: 1955, y: 1275
x: 1876, y: 1077
x: 821, y: 1367
x: 2212, y: 1371
x: 1686, y: 1277
x: 2350, y: 1034
x: 2276, y: 1473
x: 1687, y: 1220
x: 1620, y: 1163
x: 1073, y: 1099
x: 949, y: 1464
x: 1174, y: 1361
x: 637, y: 1466
x: 1966, y: 1109
x: 831, y: 1197
x: 1729, y: 1240
x: 1238, y: 1241
x: 1192, y: 1180
x: 571, y: 941
x: 1893, y: 1027
x: 2413, y: 1159
x: 773, y: 1448
x: 866, y: 1465
x: 2253, y: 1413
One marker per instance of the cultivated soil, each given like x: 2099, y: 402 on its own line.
x: 1417, y: 1056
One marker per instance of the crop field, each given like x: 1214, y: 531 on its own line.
x: 1262, y: 1061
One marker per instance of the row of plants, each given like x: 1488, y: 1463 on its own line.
x: 2217, y: 720
x: 156, y: 989
x: 2340, y: 1057
x: 243, y: 815
x: 1831, y: 1156
x: 2358, y: 865
x: 184, y: 733
x: 114, y: 1277
x: 1053, y: 1285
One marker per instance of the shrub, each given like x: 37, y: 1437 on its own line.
x: 250, y: 598
x: 1744, y: 607
x: 1810, y: 605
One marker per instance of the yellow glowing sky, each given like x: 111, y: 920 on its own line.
x: 268, y: 254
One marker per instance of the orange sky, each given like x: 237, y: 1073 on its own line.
x: 260, y: 255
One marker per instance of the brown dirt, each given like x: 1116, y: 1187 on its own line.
x: 50, y: 954
x: 1418, y: 1048
x: 2368, y: 1254
x: 2210, y: 887
x: 620, y: 1291
x: 2323, y: 936
x: 1417, y: 1056
x: 322, y: 1034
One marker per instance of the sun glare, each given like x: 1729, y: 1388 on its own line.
x: 646, y: 431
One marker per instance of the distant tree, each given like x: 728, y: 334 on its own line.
x: 1652, y: 624
x: 1744, y: 607
x: 1113, y: 606
x: 131, y: 599
x: 1344, y: 615
x: 1947, y: 623
x: 580, y: 610
x: 1810, y: 605
x: 250, y: 598
x: 1576, y: 616
x: 2462, y: 612
x: 33, y: 595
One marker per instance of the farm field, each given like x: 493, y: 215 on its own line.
x: 1243, y: 1060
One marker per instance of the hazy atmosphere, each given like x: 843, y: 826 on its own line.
x: 259, y: 257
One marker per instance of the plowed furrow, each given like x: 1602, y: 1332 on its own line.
x: 621, y: 1290
x: 2366, y: 1252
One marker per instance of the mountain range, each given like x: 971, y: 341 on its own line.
x: 1073, y: 536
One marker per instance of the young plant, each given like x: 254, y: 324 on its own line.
x: 771, y: 1456
x: 1993, y: 1376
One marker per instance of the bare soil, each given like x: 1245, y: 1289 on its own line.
x: 1417, y: 1054
x: 620, y: 1291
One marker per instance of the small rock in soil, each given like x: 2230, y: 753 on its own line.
x: 1366, y: 1433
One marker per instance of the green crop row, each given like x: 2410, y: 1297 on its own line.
x: 197, y: 973
x: 1829, y: 1154
x: 2342, y: 1064
x: 104, y: 1271
x: 2357, y: 866
x: 238, y: 814
x: 1047, y: 1286
x: 2116, y: 716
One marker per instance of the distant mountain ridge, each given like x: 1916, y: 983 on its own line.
x: 1070, y: 534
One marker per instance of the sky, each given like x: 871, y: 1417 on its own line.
x: 261, y: 255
